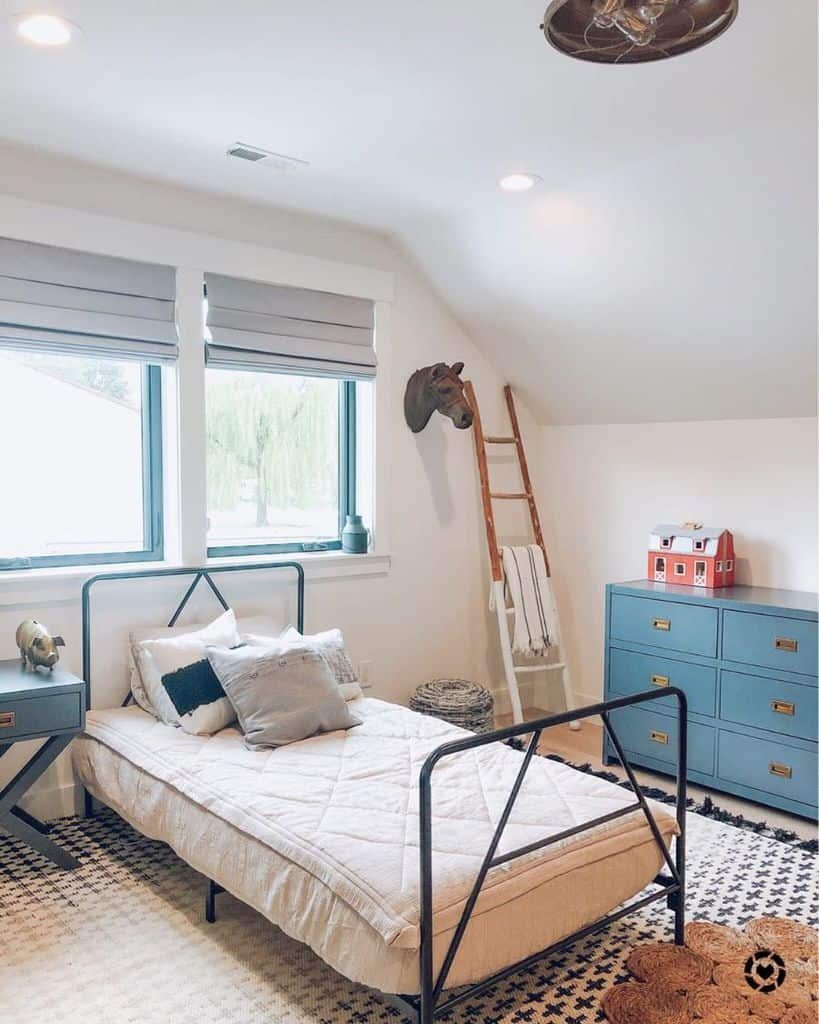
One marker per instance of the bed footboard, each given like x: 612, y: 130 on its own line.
x: 670, y: 887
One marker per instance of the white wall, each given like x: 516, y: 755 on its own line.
x: 607, y: 486
x: 427, y: 614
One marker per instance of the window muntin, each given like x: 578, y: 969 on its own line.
x: 82, y: 460
x: 280, y: 461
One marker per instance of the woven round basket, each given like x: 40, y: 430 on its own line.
x: 792, y: 940
x: 718, y: 942
x: 456, y: 701
x: 633, y: 1003
x: 719, y: 1005
x: 670, y: 966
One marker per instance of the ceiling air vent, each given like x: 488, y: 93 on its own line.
x: 264, y: 156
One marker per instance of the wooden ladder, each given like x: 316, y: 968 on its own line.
x: 488, y: 496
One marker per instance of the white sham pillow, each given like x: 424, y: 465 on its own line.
x: 252, y: 624
x: 155, y: 658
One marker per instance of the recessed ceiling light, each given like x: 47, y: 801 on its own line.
x: 518, y: 182
x: 45, y: 29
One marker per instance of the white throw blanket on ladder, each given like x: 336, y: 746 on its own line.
x: 530, y: 591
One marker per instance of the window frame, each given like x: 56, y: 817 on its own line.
x: 153, y: 519
x: 678, y: 566
x: 347, y: 458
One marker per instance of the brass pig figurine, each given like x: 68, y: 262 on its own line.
x: 36, y: 644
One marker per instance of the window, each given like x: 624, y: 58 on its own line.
x: 81, y: 457
x: 699, y: 569
x: 719, y: 566
x: 729, y: 565
x: 699, y: 545
x: 659, y: 564
x: 281, y: 460
x: 665, y: 542
x: 679, y: 569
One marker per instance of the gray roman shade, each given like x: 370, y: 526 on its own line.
x: 65, y: 301
x: 255, y: 326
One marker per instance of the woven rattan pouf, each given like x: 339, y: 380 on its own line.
x: 456, y: 701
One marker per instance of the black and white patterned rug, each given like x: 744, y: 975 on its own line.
x: 122, y: 939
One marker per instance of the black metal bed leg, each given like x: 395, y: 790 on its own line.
x: 87, y: 804
x: 210, y: 900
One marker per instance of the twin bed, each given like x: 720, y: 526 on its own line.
x: 413, y: 857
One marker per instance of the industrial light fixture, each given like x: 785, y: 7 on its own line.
x: 518, y: 182
x: 45, y: 29
x: 634, y: 31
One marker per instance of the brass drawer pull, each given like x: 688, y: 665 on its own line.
x: 783, y: 771
x: 785, y: 643
x: 660, y: 681
x: 659, y: 737
x: 7, y: 719
x: 783, y: 707
x: 663, y: 624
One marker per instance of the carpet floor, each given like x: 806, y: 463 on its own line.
x: 122, y: 939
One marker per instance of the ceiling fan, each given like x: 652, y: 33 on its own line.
x: 634, y: 31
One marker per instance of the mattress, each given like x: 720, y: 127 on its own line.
x: 321, y: 836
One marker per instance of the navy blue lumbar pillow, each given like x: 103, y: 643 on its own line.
x: 199, y: 699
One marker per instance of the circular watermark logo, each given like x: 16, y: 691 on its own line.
x: 765, y: 971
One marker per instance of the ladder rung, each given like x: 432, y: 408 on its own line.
x: 501, y: 440
x: 512, y: 497
x: 539, y: 668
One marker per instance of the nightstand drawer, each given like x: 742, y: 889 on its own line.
x: 649, y: 734
x: 689, y: 628
x: 630, y: 672
x: 40, y: 716
x: 788, y: 708
x: 771, y: 641
x: 769, y: 766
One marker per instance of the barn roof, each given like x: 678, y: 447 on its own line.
x: 702, y: 533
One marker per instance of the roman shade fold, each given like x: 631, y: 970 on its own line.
x: 255, y: 326
x: 66, y: 301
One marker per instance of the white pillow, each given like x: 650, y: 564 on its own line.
x: 330, y: 645
x: 157, y: 657
x: 252, y: 624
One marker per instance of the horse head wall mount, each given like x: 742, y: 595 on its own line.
x: 436, y: 387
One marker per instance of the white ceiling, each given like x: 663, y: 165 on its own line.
x: 666, y: 267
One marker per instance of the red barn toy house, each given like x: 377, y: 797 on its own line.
x: 693, y: 554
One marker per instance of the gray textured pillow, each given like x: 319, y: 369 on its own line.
x: 282, y: 693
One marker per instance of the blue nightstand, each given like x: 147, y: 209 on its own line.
x: 36, y: 704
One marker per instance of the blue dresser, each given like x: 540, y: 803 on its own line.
x: 746, y: 658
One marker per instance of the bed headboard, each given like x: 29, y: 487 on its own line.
x: 198, y: 575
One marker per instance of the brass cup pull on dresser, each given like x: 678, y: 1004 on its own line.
x: 7, y: 719
x: 783, y: 707
x: 785, y: 643
x: 658, y: 737
x: 782, y: 771
x: 661, y: 624
x: 660, y: 681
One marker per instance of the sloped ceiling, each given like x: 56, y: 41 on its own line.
x: 664, y: 270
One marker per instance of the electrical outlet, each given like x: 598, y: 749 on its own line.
x: 365, y: 674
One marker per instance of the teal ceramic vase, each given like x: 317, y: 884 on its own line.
x: 355, y: 537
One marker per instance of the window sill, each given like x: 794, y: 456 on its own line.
x: 64, y: 583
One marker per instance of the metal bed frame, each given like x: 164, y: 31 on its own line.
x: 430, y: 1003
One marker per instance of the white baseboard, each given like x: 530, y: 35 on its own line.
x: 51, y: 802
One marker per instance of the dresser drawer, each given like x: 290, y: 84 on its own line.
x: 769, y: 704
x: 771, y: 641
x: 38, y: 716
x: 689, y: 628
x: 769, y: 766
x: 630, y: 672
x: 655, y: 735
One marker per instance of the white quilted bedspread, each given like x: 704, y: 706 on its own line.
x: 344, y: 806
